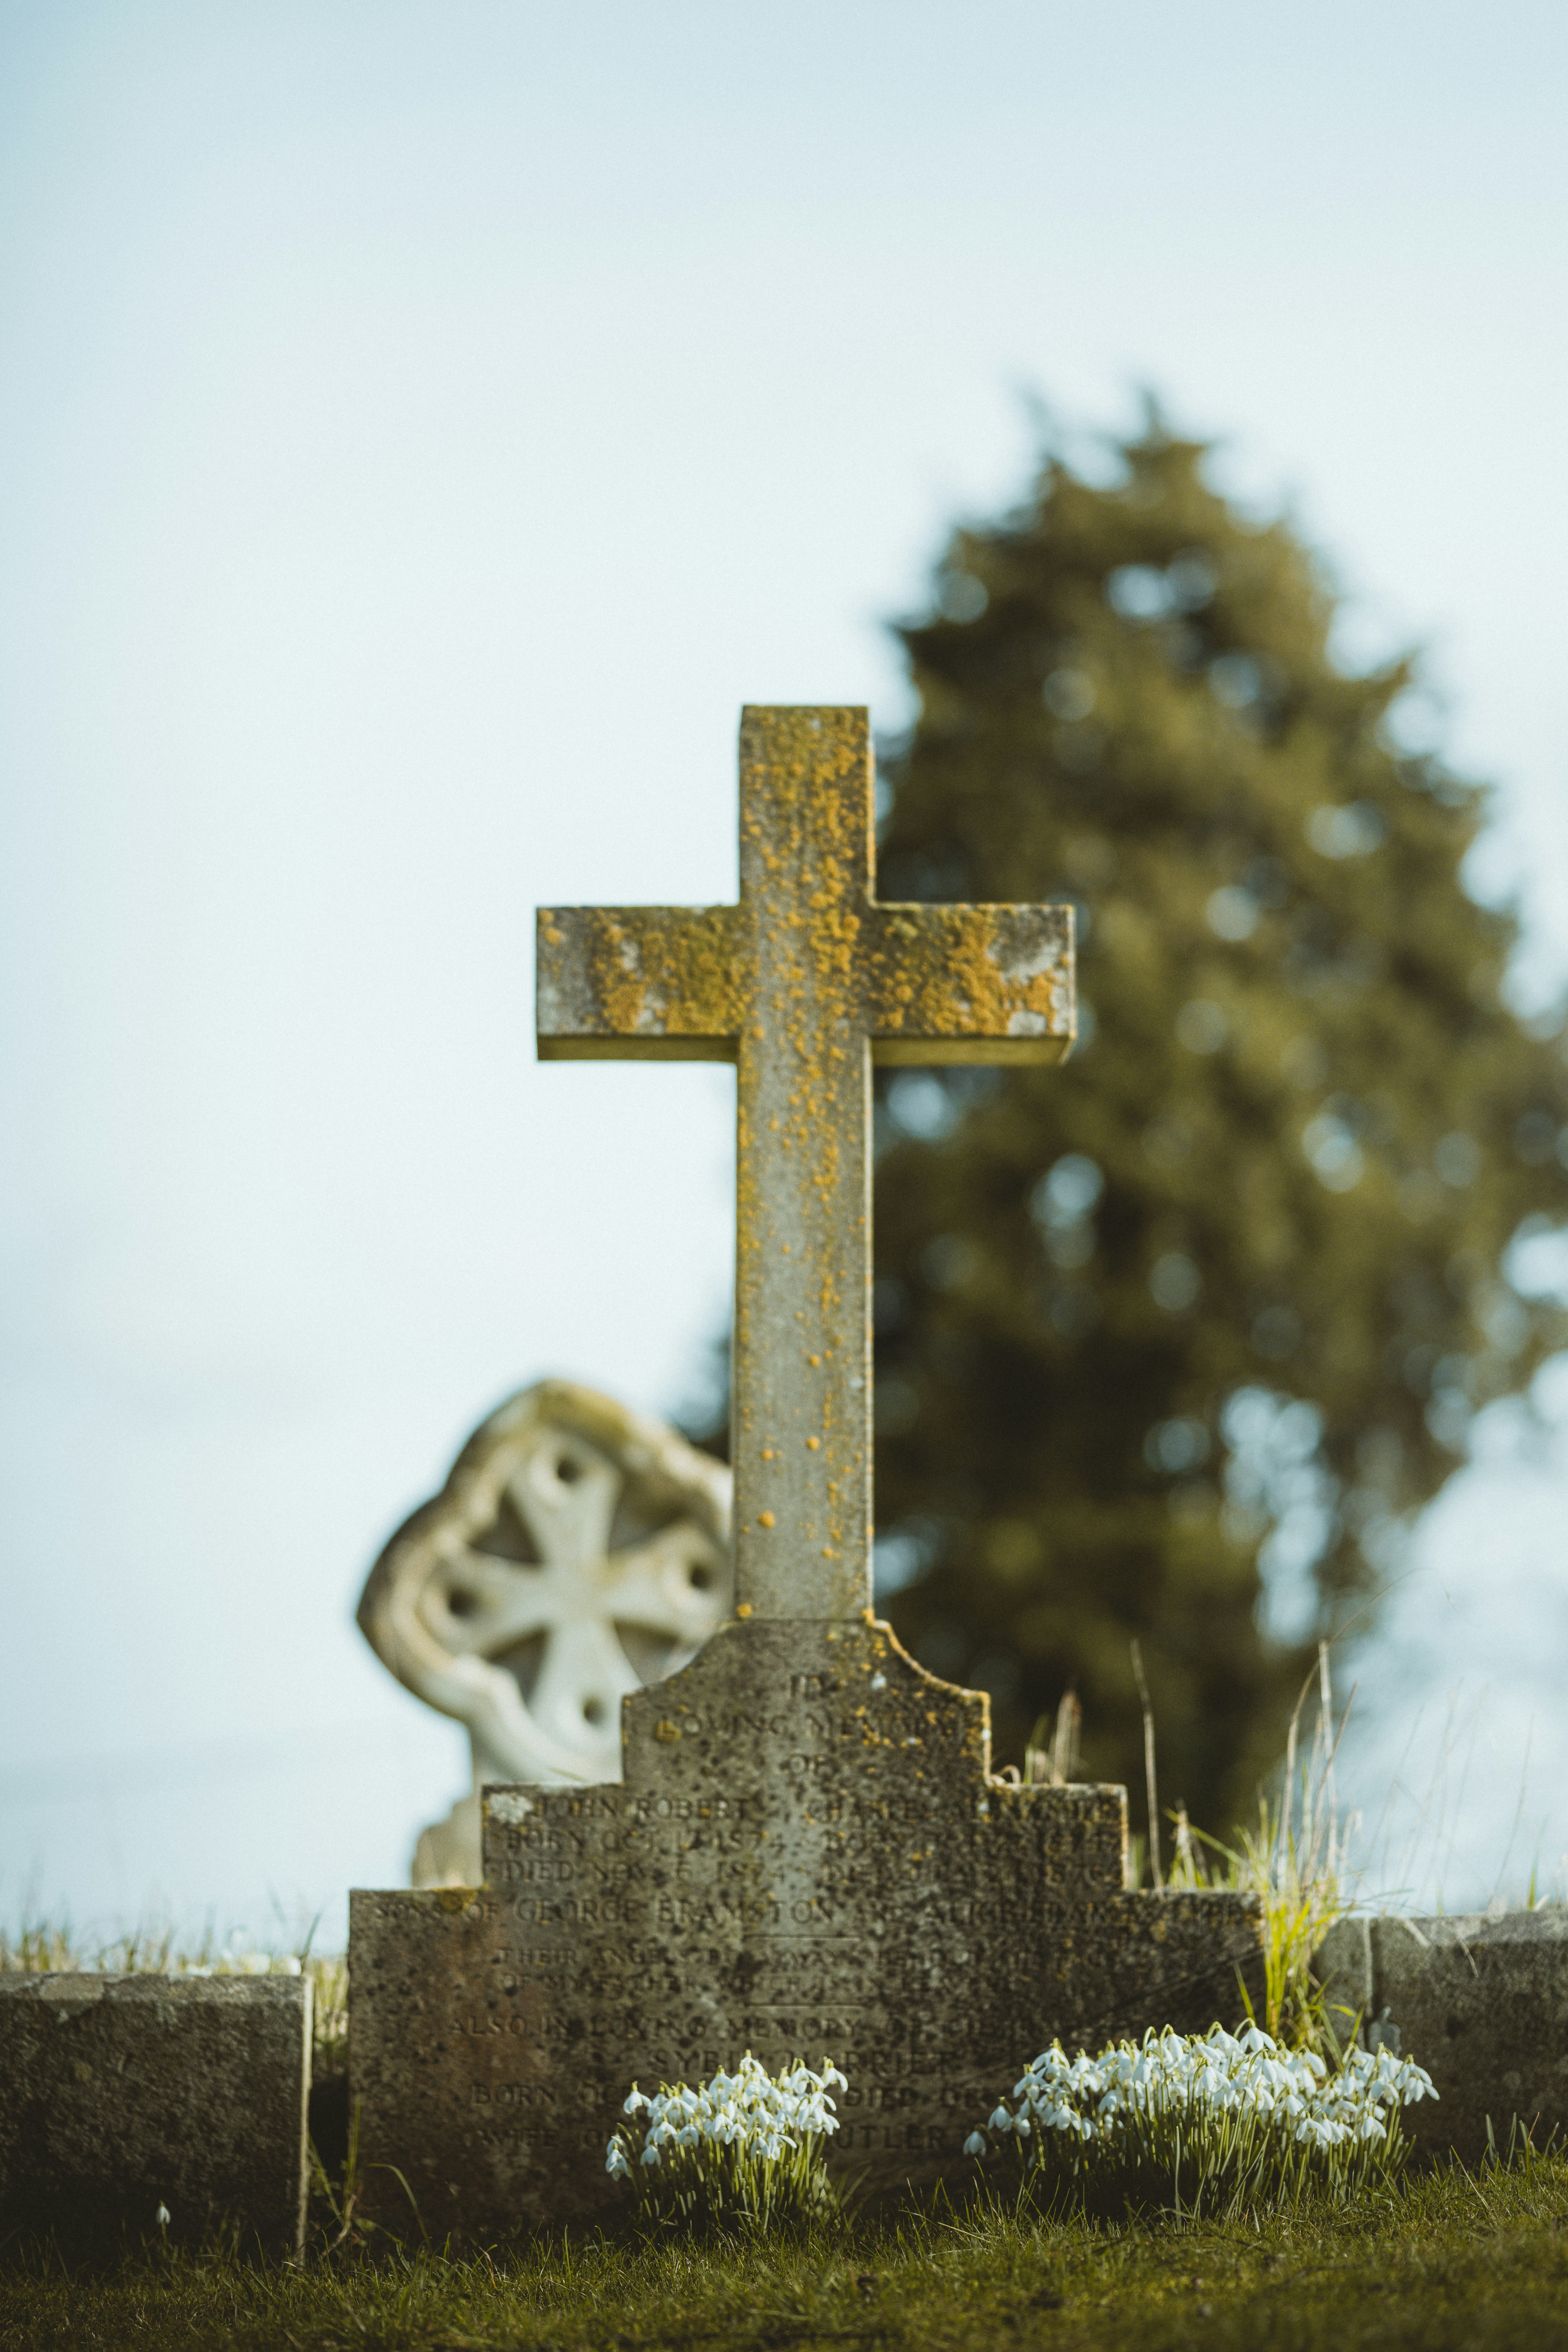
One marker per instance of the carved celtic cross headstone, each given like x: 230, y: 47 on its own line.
x: 809, y: 1850
x: 577, y: 1550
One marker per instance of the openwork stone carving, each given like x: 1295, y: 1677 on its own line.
x: 577, y: 1552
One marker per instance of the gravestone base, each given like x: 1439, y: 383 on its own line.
x: 808, y: 1855
x: 122, y: 2093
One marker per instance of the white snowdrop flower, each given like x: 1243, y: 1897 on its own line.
x: 975, y: 2145
x: 650, y: 2152
x: 1250, y: 2091
x: 164, y: 2217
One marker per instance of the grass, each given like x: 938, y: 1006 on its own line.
x: 1451, y: 2258
x: 1295, y: 1859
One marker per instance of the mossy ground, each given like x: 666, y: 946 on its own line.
x: 1452, y: 2259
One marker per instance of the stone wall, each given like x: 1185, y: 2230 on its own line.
x: 122, y: 2096
x: 125, y: 2098
x: 1480, y: 2001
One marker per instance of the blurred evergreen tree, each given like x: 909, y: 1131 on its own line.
x: 1231, y: 1281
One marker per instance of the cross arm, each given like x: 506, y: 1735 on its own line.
x: 971, y: 983
x: 638, y: 984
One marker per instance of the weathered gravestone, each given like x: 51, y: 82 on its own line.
x: 577, y: 1551
x: 146, y: 2105
x: 808, y: 1852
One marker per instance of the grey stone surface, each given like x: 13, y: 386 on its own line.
x: 120, y: 2094
x: 807, y: 1855
x: 1481, y: 2001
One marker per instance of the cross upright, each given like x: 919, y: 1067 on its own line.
x: 803, y: 985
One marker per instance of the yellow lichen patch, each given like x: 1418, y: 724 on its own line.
x: 662, y: 971
x: 976, y: 975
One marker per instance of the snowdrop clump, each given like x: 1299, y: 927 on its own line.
x: 1216, y: 2120
x: 748, y: 2147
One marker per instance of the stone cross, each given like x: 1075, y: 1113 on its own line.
x: 809, y: 1852
x: 802, y: 985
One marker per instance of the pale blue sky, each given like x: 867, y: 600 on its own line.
x: 421, y: 428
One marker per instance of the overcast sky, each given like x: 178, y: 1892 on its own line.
x: 421, y: 428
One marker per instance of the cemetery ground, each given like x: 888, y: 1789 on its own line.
x: 1451, y: 2258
